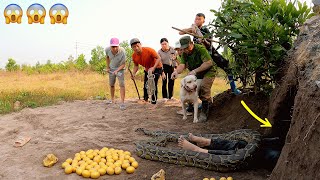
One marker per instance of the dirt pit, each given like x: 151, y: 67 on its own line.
x: 68, y: 128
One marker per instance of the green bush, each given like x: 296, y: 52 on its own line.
x: 257, y: 35
x: 98, y: 60
x: 12, y: 65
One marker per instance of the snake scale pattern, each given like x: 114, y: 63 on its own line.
x: 155, y: 149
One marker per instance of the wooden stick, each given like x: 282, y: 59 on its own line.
x: 194, y: 35
x: 135, y: 85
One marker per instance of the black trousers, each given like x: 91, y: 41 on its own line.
x: 221, y: 146
x: 157, y: 72
x: 168, y: 70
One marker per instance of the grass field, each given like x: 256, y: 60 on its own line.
x: 47, y: 89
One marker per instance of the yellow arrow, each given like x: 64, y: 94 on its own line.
x: 265, y: 123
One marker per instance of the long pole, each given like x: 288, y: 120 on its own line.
x: 134, y: 80
x: 195, y: 35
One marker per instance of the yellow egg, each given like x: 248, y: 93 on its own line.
x: 82, y: 156
x: 83, y: 166
x: 102, y: 171
x: 90, y: 151
x: 94, y: 163
x: 126, y: 157
x: 229, y: 178
x: 104, y: 149
x: 126, y: 161
x: 131, y: 159
x: 79, y: 171
x: 130, y: 170
x: 102, y: 155
x: 101, y: 164
x: 90, y: 156
x: 63, y: 165
x: 117, y: 164
x: 69, y: 160
x: 96, y: 150
x: 127, y: 153
x: 97, y: 159
x: 82, y: 152
x: 68, y: 169
x: 109, y: 163
x: 90, y: 161
x: 86, y: 173
x: 117, y: 170
x: 223, y: 178
x: 110, y: 160
x: 110, y: 171
x: 103, y: 160
x: 95, y: 175
x: 135, y: 164
x: 113, y: 166
x: 77, y: 154
x: 205, y: 178
x: 115, y: 158
x: 125, y: 165
x: 95, y: 154
x: 212, y: 179
x: 96, y: 167
x: 89, y: 167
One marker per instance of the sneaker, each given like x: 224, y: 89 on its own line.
x: 122, y: 107
x: 236, y: 92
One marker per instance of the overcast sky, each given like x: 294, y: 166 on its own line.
x: 92, y: 23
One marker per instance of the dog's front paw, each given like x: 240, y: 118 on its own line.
x: 195, y: 120
x: 184, y: 117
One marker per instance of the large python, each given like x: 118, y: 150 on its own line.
x: 154, y: 149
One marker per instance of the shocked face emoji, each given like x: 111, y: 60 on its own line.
x: 58, y: 14
x: 36, y: 13
x: 13, y: 14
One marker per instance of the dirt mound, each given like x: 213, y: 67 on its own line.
x: 227, y: 110
x: 295, y: 106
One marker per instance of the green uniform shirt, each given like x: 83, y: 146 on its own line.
x: 194, y: 60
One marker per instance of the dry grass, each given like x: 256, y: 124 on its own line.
x: 47, y: 89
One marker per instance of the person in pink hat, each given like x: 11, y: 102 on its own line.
x: 116, y: 60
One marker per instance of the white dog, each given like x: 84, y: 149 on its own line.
x: 189, y: 94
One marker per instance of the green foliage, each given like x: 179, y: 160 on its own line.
x: 128, y: 50
x: 12, y: 65
x: 81, y: 63
x: 98, y: 59
x: 258, y: 33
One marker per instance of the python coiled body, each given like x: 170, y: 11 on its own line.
x: 154, y: 149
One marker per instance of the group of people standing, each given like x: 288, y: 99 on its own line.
x: 197, y: 55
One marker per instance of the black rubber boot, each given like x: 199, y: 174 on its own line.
x: 204, y: 111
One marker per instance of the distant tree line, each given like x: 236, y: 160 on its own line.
x: 96, y: 63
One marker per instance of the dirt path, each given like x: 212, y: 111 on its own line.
x: 71, y: 127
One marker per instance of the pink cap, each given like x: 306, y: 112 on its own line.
x: 114, y: 42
